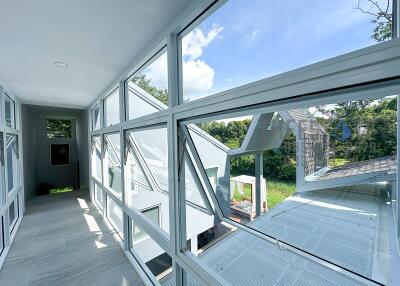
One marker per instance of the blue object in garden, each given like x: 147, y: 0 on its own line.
x: 342, y: 131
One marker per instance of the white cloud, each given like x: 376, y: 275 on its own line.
x: 158, y: 72
x: 198, y: 75
x: 198, y: 79
x: 194, y: 42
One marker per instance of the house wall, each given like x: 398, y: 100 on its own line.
x: 206, y: 146
x: 37, y: 166
x: 310, y: 142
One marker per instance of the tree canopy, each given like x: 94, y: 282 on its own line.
x: 373, y: 128
x: 145, y: 83
x: 58, y: 128
x: 381, y: 18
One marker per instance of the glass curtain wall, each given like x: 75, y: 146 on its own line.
x: 212, y: 177
x: 11, y: 191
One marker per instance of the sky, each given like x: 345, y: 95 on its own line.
x: 244, y: 41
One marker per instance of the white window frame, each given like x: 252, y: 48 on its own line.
x: 15, y: 171
x: 12, y: 111
x: 17, y: 193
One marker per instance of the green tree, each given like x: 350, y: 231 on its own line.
x: 145, y: 83
x: 381, y: 18
x: 377, y: 116
x: 231, y: 134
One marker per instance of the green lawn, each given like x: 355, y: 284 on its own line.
x: 277, y: 191
x: 61, y: 190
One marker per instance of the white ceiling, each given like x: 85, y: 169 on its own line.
x: 98, y: 39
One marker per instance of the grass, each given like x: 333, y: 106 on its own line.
x: 60, y: 190
x: 277, y: 191
x: 337, y: 162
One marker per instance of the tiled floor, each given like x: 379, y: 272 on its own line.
x: 62, y: 240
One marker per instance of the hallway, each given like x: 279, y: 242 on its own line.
x: 63, y: 240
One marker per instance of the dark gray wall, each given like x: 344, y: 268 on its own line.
x: 36, y: 147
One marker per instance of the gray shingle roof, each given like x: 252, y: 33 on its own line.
x: 383, y: 164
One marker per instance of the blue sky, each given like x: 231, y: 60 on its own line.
x: 260, y: 38
x: 244, y: 41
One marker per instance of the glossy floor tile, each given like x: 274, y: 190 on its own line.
x: 62, y: 240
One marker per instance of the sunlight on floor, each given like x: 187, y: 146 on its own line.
x: 83, y: 204
x: 324, y: 205
x: 91, y: 222
x: 99, y: 244
x: 124, y: 281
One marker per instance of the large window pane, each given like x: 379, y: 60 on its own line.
x: 95, y: 113
x: 148, y: 250
x: 9, y: 112
x: 96, y: 158
x: 153, y: 147
x: 319, y: 177
x: 111, y: 109
x: 146, y: 173
x: 12, y: 162
x: 148, y: 89
x: 240, y: 42
x: 112, y: 163
x: 115, y: 216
